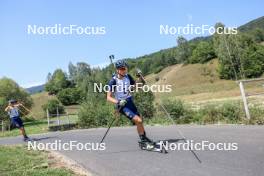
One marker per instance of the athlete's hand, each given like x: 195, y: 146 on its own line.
x: 18, y: 104
x: 122, y: 103
x: 139, y: 73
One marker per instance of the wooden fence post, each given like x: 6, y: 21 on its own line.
x: 58, y: 116
x: 48, y: 117
x: 2, y: 126
x: 67, y: 114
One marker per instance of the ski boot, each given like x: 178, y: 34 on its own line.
x: 145, y: 142
x: 26, y: 139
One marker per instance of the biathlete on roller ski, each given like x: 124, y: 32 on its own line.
x: 13, y: 111
x: 119, y: 94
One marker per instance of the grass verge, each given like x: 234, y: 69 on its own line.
x: 17, y: 160
x: 32, y: 127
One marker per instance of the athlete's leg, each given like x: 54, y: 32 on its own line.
x: 23, y: 132
x: 19, y: 124
x: 139, y: 123
x: 130, y: 111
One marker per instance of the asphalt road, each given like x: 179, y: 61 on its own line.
x: 123, y: 156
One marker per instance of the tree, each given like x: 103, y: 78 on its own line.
x: 226, y: 48
x: 183, y: 50
x: 239, y: 56
x: 82, y: 71
x: 93, y: 114
x: 254, y: 64
x: 257, y: 35
x: 69, y: 96
x: 202, y: 53
x: 145, y: 103
x: 72, y: 71
x: 49, y: 77
x: 175, y: 108
x: 52, y: 106
x: 57, y: 82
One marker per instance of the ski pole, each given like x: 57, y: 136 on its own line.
x: 180, y: 133
x: 26, y: 108
x: 111, y: 57
x: 31, y: 113
x: 167, y: 113
x: 118, y: 110
x: 108, y: 130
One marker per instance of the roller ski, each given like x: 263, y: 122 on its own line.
x: 27, y: 139
x: 149, y: 145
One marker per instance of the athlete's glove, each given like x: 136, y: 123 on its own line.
x: 122, y: 103
x: 139, y: 72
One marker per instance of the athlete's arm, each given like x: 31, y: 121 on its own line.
x: 7, y: 108
x: 110, y: 97
x: 18, y: 104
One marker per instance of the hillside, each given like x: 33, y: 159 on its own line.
x: 40, y: 99
x: 199, y: 83
x: 35, y: 89
x: 156, y: 61
x: 195, y: 82
x: 257, y: 23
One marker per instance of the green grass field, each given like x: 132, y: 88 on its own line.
x: 35, y: 127
x: 17, y: 160
x: 39, y: 126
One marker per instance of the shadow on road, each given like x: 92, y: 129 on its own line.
x: 117, y: 152
x: 171, y: 140
x: 42, y: 138
x: 136, y: 150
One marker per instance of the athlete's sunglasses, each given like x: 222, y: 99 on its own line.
x: 122, y: 68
